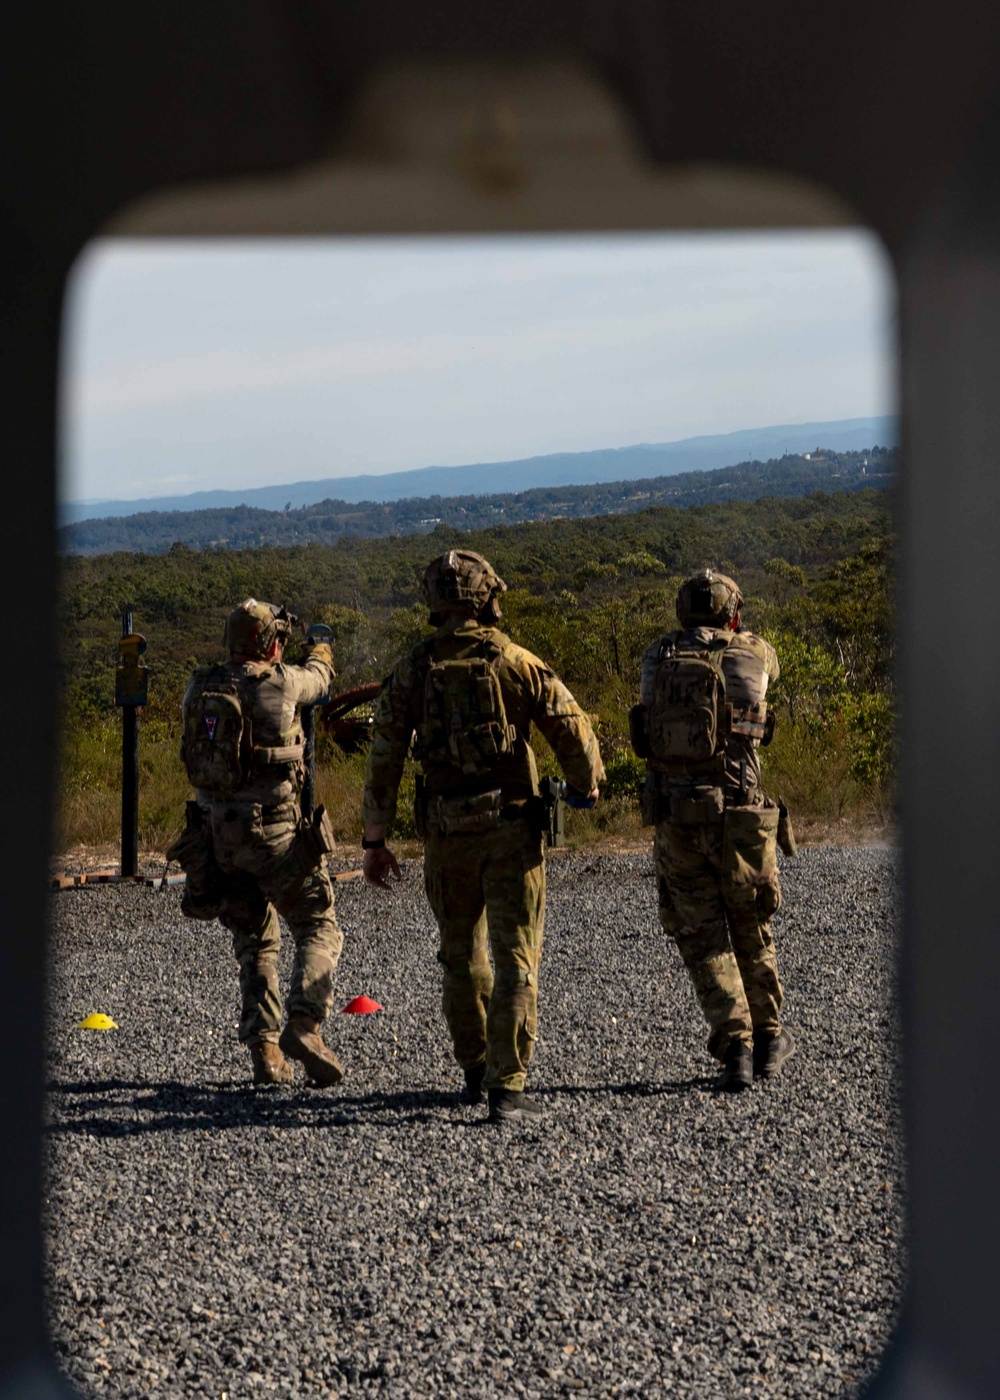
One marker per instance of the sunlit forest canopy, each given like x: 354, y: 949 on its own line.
x: 327, y: 521
x: 588, y: 595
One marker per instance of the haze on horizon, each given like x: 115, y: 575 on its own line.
x: 194, y: 365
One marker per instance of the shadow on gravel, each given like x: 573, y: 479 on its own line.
x: 699, y: 1084
x: 114, y: 1108
x: 120, y: 1108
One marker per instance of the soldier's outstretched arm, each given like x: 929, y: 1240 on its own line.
x: 313, y: 677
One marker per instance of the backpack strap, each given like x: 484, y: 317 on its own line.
x: 668, y: 645
x: 498, y: 645
x: 490, y: 648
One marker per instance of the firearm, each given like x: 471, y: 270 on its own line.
x: 554, y: 810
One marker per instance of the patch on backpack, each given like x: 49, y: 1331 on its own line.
x: 210, y: 723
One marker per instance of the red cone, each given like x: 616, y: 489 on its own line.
x: 361, y: 1006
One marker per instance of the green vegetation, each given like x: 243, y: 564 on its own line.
x: 245, y: 527
x: 588, y: 595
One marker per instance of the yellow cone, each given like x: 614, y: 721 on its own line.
x: 97, y: 1021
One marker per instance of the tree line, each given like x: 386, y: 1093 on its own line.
x: 326, y: 522
x: 588, y: 595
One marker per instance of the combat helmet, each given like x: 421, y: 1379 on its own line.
x: 461, y: 581
x: 252, y: 627
x: 708, y: 600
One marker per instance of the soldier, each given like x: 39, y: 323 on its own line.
x: 248, y: 853
x: 467, y: 697
x: 700, y: 722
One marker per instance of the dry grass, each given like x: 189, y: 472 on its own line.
x: 828, y: 805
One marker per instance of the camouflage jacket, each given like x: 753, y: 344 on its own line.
x: 281, y: 692
x: 749, y: 665
x: 532, y: 693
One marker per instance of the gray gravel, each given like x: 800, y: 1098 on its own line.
x: 650, y: 1237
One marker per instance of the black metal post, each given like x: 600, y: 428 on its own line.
x: 130, y: 790
x: 309, y: 758
x: 130, y: 775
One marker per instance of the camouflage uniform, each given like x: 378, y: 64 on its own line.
x: 487, y: 889
x: 714, y: 852
x: 252, y: 834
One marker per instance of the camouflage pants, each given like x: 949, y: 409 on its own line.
x: 488, y: 896
x: 263, y: 879
x: 716, y: 906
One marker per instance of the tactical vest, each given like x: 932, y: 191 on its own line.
x: 463, y: 725
x: 217, y: 749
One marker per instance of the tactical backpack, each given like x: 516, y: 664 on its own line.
x: 217, y: 747
x: 464, y: 725
x: 687, y: 720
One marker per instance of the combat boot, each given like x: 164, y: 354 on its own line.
x: 509, y: 1105
x: 737, y: 1068
x: 472, y: 1094
x: 300, y: 1040
x: 770, y: 1052
x: 269, y: 1064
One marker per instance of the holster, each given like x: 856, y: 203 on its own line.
x: 205, y: 887
x: 551, y: 812
x: 544, y: 821
x: 313, y: 840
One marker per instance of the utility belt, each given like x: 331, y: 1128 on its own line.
x: 244, y: 822
x: 691, y: 804
x: 687, y: 806
x: 236, y: 824
x: 474, y: 814
x: 701, y: 805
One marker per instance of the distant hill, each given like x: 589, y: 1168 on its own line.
x: 242, y: 527
x: 639, y: 462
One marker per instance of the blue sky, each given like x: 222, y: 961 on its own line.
x: 190, y: 365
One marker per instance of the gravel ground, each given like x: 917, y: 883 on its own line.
x: 650, y: 1237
